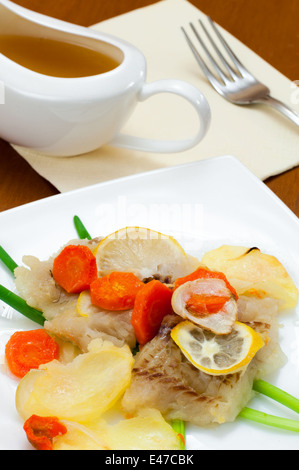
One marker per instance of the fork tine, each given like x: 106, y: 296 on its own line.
x: 229, y: 69
x: 217, y: 68
x: 212, y: 79
x: 231, y: 54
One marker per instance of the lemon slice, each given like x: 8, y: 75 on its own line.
x: 84, y: 305
x: 217, y: 354
x: 144, y: 252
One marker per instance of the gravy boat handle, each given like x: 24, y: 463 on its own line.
x: 183, y: 89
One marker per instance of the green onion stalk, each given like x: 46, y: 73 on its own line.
x: 81, y: 230
x: 19, y: 304
x: 270, y: 420
x: 7, y: 260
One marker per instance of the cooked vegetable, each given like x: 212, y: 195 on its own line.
x: 147, y: 430
x: 152, y: 303
x: 7, y: 260
x: 21, y: 306
x: 75, y: 268
x: 179, y: 427
x: 41, y: 431
x: 270, y: 420
x: 204, y: 273
x: 277, y: 394
x: 80, y: 437
x: 81, y: 230
x: 254, y: 273
x: 207, y: 302
x: 115, y: 291
x: 81, y: 390
x: 27, y: 350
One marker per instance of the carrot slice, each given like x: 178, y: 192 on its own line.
x: 204, y: 304
x: 152, y: 303
x: 41, y: 431
x: 75, y: 268
x: 27, y: 350
x: 116, y: 291
x: 204, y: 273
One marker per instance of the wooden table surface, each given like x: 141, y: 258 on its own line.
x: 268, y: 27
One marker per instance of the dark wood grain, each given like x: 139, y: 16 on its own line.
x: 268, y: 27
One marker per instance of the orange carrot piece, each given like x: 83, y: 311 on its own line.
x: 27, y: 350
x: 204, y: 273
x: 115, y: 291
x: 41, y: 431
x: 75, y: 268
x: 204, y: 304
x: 182, y: 440
x: 152, y: 303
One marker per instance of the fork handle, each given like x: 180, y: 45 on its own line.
x: 283, y: 108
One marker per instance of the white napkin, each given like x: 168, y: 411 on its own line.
x: 266, y: 142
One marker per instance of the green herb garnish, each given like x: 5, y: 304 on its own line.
x: 14, y: 300
x: 7, y: 260
x: 276, y: 394
x: 21, y: 306
x: 179, y: 427
x: 81, y: 230
x: 270, y: 420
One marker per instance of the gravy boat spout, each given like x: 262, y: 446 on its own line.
x: 73, y: 114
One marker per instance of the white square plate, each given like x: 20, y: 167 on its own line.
x: 203, y: 205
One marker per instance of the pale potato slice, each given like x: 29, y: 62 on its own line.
x: 79, y: 437
x: 67, y: 350
x: 252, y: 272
x: 146, y: 431
x: 81, y: 390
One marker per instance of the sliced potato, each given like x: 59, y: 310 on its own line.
x: 252, y: 272
x: 81, y: 390
x: 146, y: 431
x: 79, y: 437
x: 67, y: 350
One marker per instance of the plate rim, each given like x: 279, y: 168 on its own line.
x: 208, y: 161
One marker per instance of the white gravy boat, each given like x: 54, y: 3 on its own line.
x: 71, y: 116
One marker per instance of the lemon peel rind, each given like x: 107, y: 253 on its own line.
x: 256, y: 344
x: 170, y: 256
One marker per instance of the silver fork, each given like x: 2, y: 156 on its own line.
x: 236, y: 84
